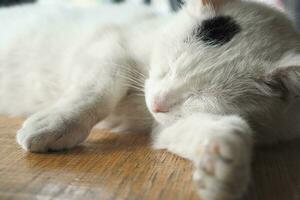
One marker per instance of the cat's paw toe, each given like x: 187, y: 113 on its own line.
x: 45, y: 131
x: 221, y: 171
x: 31, y: 142
x: 38, y: 135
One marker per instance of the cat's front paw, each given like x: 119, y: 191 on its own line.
x: 222, y: 170
x: 49, y: 130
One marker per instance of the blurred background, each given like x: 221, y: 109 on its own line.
x: 292, y: 7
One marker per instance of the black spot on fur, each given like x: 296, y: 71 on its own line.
x: 217, y: 30
x: 14, y: 2
x: 176, y: 4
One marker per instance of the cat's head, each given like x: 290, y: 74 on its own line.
x: 220, y: 56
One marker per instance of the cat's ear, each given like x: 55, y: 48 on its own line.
x: 284, y: 81
x: 214, y: 4
x: 197, y: 6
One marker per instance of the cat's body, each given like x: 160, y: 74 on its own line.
x: 67, y: 35
x: 216, y: 76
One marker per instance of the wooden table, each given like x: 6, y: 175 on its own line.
x: 123, y: 167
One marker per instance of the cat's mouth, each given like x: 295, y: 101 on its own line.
x: 166, y: 118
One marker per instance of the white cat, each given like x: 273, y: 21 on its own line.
x: 218, y: 76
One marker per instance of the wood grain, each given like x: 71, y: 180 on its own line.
x: 123, y: 167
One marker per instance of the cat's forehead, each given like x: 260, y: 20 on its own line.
x: 246, y: 23
x: 216, y: 31
x: 212, y: 28
x: 239, y: 32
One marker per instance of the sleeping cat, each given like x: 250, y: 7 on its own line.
x: 208, y: 82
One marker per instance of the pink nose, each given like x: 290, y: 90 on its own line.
x: 159, y: 107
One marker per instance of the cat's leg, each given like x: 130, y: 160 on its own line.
x: 69, y: 121
x: 220, y: 148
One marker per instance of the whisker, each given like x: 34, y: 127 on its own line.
x: 134, y: 87
x: 131, y: 80
x: 133, y: 83
x: 132, y: 77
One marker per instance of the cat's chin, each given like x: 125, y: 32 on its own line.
x: 165, y: 119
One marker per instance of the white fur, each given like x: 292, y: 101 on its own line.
x: 71, y: 67
x: 219, y: 146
